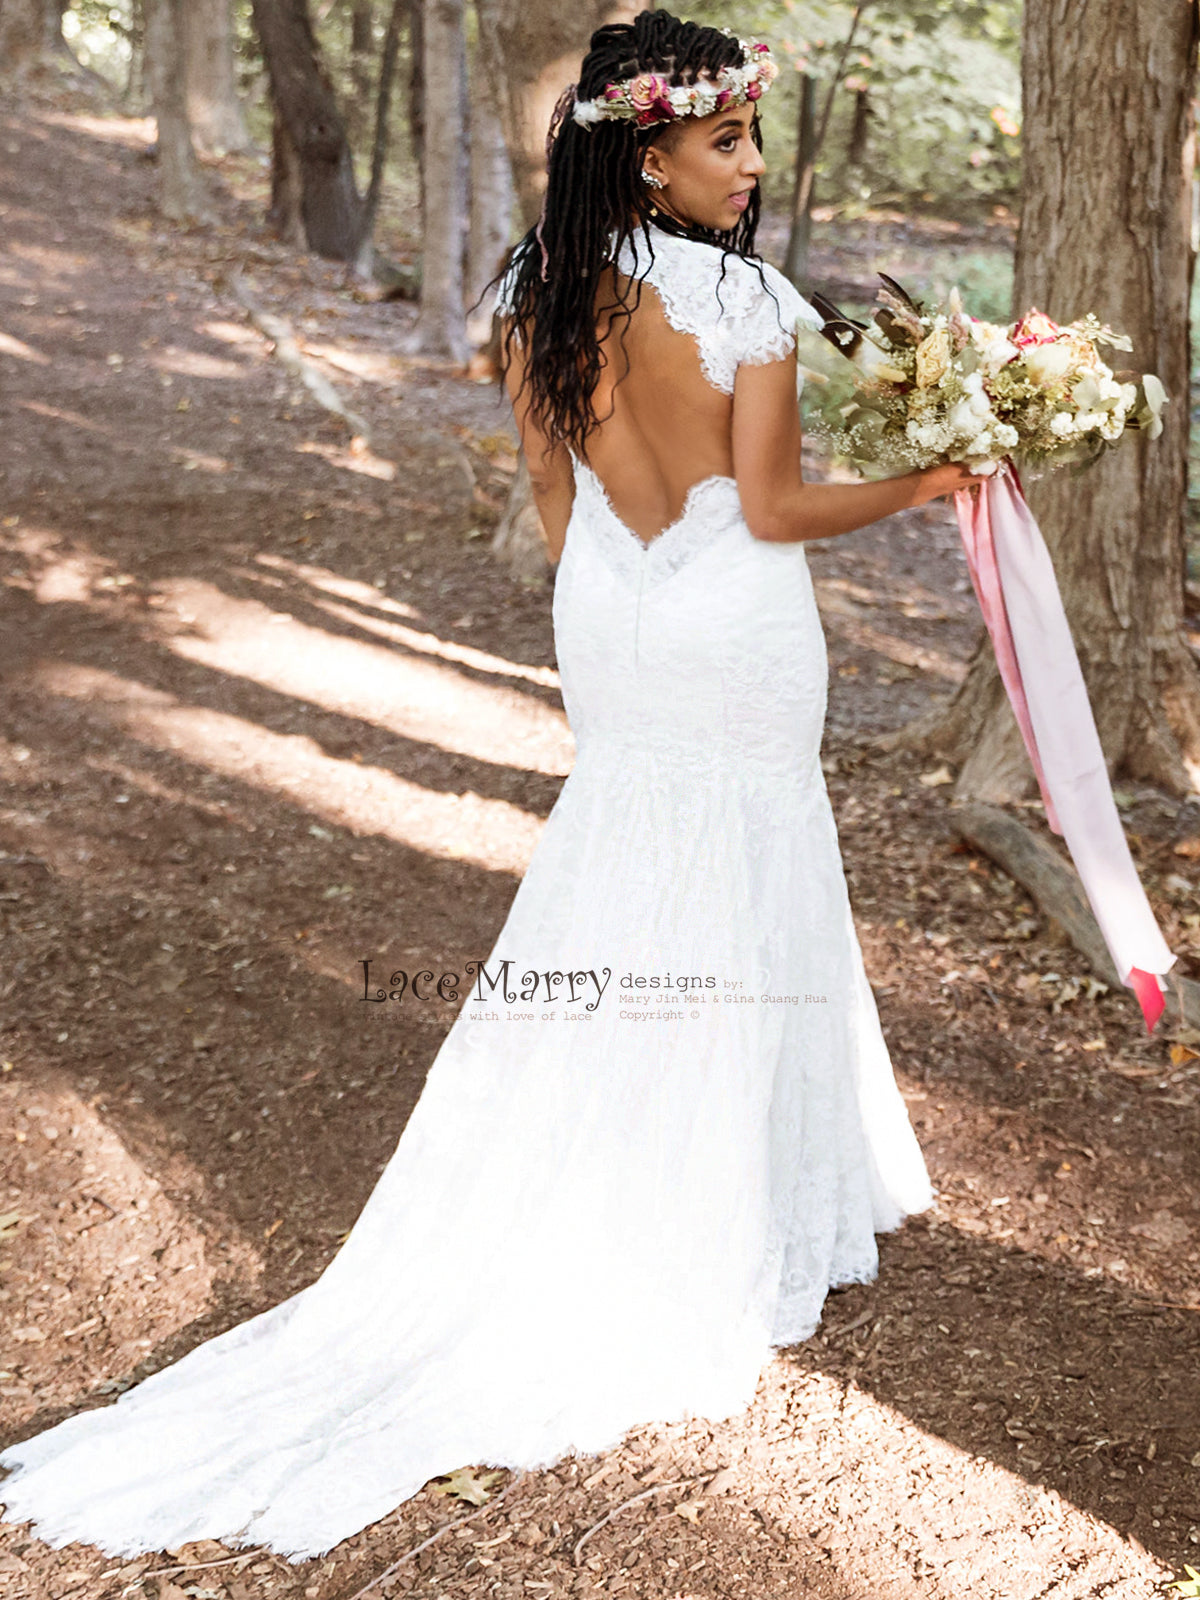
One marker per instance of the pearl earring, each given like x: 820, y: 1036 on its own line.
x: 648, y: 177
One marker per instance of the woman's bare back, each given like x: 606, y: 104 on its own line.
x: 664, y: 427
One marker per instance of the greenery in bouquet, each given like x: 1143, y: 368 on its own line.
x: 920, y: 386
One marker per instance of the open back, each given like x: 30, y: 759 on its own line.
x: 665, y: 397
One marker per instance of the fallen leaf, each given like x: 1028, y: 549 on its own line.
x: 938, y: 775
x: 468, y: 1485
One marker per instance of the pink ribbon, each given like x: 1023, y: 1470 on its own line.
x: 1014, y: 582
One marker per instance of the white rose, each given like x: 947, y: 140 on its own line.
x: 1062, y: 424
x: 1046, y: 363
x: 1006, y: 435
x: 997, y: 353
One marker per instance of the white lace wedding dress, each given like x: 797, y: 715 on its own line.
x: 607, y: 1209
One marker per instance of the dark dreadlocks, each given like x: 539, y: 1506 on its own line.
x: 595, y: 202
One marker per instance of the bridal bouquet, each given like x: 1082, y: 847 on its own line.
x: 924, y: 386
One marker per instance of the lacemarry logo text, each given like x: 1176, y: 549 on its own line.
x: 566, y: 988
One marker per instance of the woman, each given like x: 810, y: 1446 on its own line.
x: 664, y: 1122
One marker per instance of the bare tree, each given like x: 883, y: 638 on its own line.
x: 383, y: 102
x: 441, y: 327
x: 214, y: 108
x: 490, y: 217
x: 314, y: 197
x: 362, y: 42
x: 809, y: 143
x: 1108, y: 159
x: 795, y: 263
x: 181, y: 187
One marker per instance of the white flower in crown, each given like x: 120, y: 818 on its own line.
x: 650, y: 97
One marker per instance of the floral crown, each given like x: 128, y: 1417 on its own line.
x: 651, y: 97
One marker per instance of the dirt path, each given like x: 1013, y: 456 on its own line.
x: 269, y: 709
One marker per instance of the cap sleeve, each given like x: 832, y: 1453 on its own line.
x: 762, y: 325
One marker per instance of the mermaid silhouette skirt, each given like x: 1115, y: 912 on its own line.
x: 606, y: 1208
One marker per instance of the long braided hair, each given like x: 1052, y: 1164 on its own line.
x: 595, y: 202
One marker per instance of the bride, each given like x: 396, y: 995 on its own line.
x: 664, y: 1123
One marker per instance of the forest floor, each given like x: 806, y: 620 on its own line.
x: 271, y: 708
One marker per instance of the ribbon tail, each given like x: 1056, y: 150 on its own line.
x: 1074, y: 772
x: 1148, y: 988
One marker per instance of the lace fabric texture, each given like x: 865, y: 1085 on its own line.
x: 598, y: 1214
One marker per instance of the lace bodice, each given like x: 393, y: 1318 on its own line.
x: 739, y: 311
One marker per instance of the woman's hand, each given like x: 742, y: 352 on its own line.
x: 946, y: 477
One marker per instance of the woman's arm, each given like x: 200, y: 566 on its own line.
x: 777, y: 503
x: 550, y: 472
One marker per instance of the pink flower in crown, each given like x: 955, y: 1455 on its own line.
x: 753, y: 90
x: 612, y: 92
x: 648, y: 92
x: 768, y: 71
x: 724, y: 96
x: 1035, y: 327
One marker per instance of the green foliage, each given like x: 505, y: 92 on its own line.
x: 942, y: 83
x: 984, y: 279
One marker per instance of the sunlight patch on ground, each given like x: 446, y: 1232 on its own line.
x: 418, y: 699
x: 362, y: 460
x: 834, y: 1462
x: 373, y: 366
x: 367, y: 800
x: 234, y: 333
x: 129, y: 131
x: 427, y: 643
x: 21, y: 351
x: 195, y: 364
x: 61, y: 414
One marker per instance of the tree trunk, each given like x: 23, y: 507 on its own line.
x: 214, y: 109
x: 362, y: 42
x: 311, y: 136
x: 535, y: 48
x: 29, y: 31
x: 490, y: 220
x: 857, y: 148
x: 416, y: 94
x: 181, y: 188
x: 286, y: 211
x: 383, y: 104
x: 441, y: 327
x: 795, y: 263
x: 1108, y: 159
